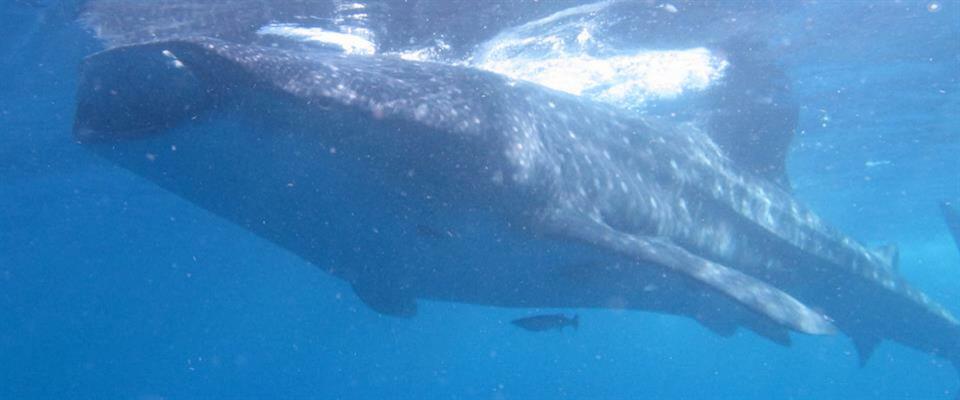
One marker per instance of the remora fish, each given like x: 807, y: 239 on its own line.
x: 330, y: 156
x: 546, y: 322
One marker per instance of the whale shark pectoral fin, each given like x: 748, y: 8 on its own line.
x: 722, y: 327
x: 748, y: 291
x: 385, y: 299
x: 865, y: 346
x: 774, y: 333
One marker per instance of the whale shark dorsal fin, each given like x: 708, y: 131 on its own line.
x: 889, y: 254
x: 754, y: 115
x: 748, y: 291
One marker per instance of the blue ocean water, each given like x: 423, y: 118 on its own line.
x: 113, y: 288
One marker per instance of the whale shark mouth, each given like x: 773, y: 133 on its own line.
x: 158, y: 92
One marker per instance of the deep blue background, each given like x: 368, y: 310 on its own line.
x: 112, y: 288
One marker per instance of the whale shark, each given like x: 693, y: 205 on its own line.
x: 420, y: 181
x: 551, y: 201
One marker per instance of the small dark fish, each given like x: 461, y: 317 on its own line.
x: 432, y: 233
x: 540, y: 323
x: 429, y: 232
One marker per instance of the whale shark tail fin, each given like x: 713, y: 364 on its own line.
x: 951, y: 216
x: 956, y: 367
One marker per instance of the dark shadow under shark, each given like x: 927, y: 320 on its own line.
x: 531, y: 198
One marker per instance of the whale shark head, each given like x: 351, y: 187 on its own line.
x: 125, y: 95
